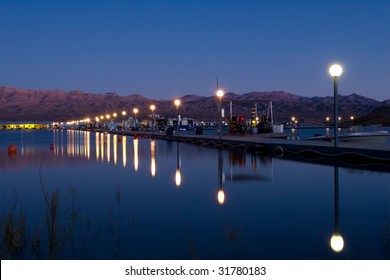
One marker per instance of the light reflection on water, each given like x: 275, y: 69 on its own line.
x: 180, y: 201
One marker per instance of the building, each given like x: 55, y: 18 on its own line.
x: 25, y: 125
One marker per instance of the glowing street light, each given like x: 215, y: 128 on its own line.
x: 177, y: 104
x: 152, y: 107
x: 335, y: 71
x: 124, y: 122
x: 135, y: 111
x: 220, y: 94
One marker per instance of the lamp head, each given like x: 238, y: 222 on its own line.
x: 335, y: 70
x: 177, y: 102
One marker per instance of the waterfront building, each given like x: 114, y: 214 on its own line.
x: 25, y: 125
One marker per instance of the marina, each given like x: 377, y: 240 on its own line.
x: 205, y: 139
x: 147, y: 196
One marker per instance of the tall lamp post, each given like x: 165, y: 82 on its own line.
x: 335, y: 71
x: 108, y: 117
x: 152, y: 107
x: 135, y: 111
x: 177, y: 104
x: 220, y: 94
x: 124, y: 122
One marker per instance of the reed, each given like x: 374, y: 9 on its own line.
x: 52, y: 205
x: 64, y: 231
x: 13, y: 239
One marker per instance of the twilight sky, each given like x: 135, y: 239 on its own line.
x: 164, y: 49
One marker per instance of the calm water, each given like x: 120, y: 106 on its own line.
x: 97, y: 198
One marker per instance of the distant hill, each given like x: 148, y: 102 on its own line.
x: 380, y: 115
x: 57, y: 105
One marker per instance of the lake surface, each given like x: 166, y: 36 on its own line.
x: 94, y: 197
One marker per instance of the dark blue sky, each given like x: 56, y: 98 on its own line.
x: 163, y: 49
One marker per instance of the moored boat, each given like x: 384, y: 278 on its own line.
x: 356, y: 134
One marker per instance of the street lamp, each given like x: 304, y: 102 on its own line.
x: 335, y: 71
x: 177, y: 104
x: 124, y: 123
x: 152, y: 107
x: 135, y: 111
x: 108, y: 117
x: 220, y: 94
x: 293, y: 121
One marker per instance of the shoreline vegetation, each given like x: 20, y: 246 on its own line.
x: 63, y: 230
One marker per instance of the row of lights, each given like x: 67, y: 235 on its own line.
x: 335, y: 71
x: 295, y: 120
x: 152, y: 107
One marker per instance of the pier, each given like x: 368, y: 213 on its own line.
x: 347, y: 152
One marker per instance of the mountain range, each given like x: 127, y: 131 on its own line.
x: 57, y: 105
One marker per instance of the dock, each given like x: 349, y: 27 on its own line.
x: 346, y: 152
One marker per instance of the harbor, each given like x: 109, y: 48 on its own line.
x: 205, y: 139
x: 145, y: 195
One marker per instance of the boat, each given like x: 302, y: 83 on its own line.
x: 356, y: 134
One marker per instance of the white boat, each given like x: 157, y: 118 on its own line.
x: 356, y: 134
